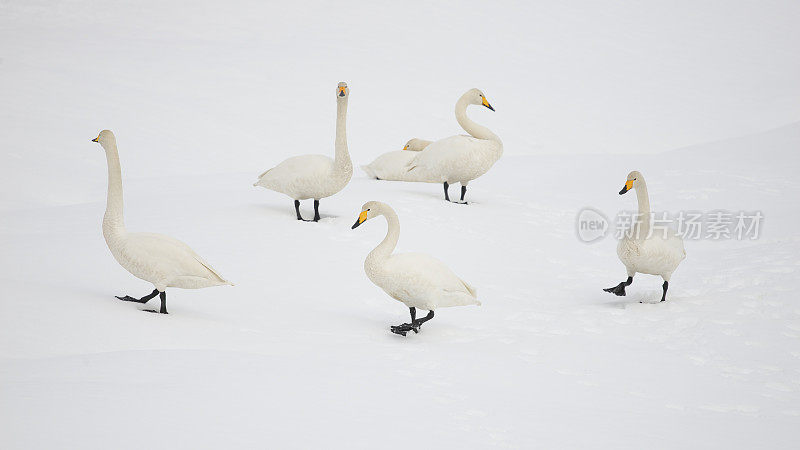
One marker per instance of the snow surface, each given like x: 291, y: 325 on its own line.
x: 298, y: 354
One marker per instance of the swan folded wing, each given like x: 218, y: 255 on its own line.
x: 170, y: 259
x: 428, y: 281
x: 446, y: 154
x: 297, y: 173
x: 656, y: 255
x: 390, y: 166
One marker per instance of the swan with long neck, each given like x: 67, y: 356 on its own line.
x: 643, y: 249
x: 415, y: 279
x: 391, y: 166
x: 156, y: 258
x: 459, y: 159
x: 315, y: 176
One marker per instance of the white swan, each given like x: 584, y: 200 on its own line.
x: 416, y: 279
x: 460, y: 159
x: 644, y: 249
x: 314, y: 176
x: 391, y: 166
x: 155, y: 258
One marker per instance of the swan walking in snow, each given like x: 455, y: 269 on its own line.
x: 643, y: 249
x: 391, y: 166
x: 460, y: 158
x: 416, y: 279
x: 314, y: 176
x: 158, y: 259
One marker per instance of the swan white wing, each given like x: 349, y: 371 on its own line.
x: 656, y: 255
x: 423, y: 281
x: 453, y: 159
x: 300, y: 177
x: 390, y: 166
x: 164, y: 260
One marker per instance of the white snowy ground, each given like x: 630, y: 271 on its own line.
x: 298, y: 354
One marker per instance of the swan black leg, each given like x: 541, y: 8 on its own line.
x: 297, y: 209
x: 163, y: 310
x: 620, y: 288
x: 446, y: 194
x: 316, y: 210
x: 664, y: 286
x: 404, y: 328
x: 463, y: 193
x: 419, y: 322
x: 144, y: 299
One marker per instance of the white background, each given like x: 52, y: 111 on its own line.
x: 205, y: 96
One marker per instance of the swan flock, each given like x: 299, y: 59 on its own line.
x: 417, y: 280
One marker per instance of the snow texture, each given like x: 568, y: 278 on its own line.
x: 298, y: 354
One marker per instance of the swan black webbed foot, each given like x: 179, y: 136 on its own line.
x: 620, y: 288
x: 144, y: 299
x: 316, y: 211
x: 415, y: 324
x: 404, y: 328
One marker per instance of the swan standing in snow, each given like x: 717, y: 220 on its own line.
x: 155, y: 258
x: 416, y: 279
x: 643, y: 249
x: 391, y: 166
x: 460, y: 159
x: 314, y: 176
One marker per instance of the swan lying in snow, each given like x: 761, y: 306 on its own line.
x: 314, y: 176
x: 161, y: 260
x: 416, y: 279
x: 459, y: 159
x: 644, y: 250
x: 391, y: 166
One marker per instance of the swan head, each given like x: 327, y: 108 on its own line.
x: 105, y: 138
x: 370, y: 210
x: 634, y: 178
x: 415, y: 145
x: 475, y: 97
x: 342, y: 91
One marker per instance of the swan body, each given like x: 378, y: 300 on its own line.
x: 391, y: 166
x: 160, y: 260
x: 643, y: 249
x: 305, y: 177
x: 314, y: 176
x: 420, y: 280
x: 456, y: 159
x: 460, y: 158
x: 658, y: 255
x: 415, y: 279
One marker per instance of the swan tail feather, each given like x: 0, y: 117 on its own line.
x: 368, y: 170
x: 214, y: 272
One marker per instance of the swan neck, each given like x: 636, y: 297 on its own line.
x: 113, y: 219
x: 475, y: 130
x: 643, y: 199
x: 387, y: 246
x: 342, y: 158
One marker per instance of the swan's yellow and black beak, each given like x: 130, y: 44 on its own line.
x: 628, y: 186
x: 406, y: 147
x: 486, y: 103
x: 95, y: 139
x: 361, y: 219
x: 342, y: 90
